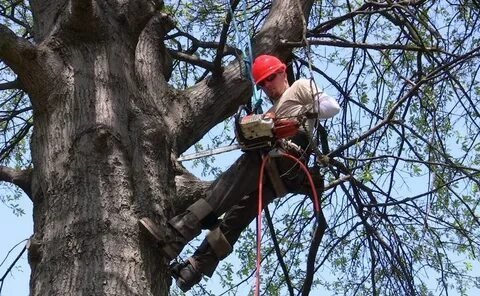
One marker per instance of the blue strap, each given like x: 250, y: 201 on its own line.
x: 247, y: 58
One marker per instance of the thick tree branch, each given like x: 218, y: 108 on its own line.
x: 11, y: 85
x: 153, y: 73
x: 21, y: 178
x: 84, y: 20
x: 189, y: 188
x: 74, y: 20
x: 35, y: 66
x: 208, y: 103
x: 16, y: 52
x: 82, y: 10
x: 45, y: 14
x: 138, y: 13
x: 284, y: 22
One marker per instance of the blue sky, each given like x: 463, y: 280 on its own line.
x: 15, y: 229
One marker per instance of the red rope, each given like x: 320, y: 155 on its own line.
x: 259, y: 224
x: 316, y: 203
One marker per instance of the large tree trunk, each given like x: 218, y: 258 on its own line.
x: 101, y: 152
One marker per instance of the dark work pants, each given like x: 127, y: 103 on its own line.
x: 235, y: 193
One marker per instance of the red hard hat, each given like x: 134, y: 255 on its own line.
x: 264, y: 66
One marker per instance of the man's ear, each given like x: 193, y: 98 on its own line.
x: 285, y: 76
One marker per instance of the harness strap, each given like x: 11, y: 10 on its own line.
x: 296, y: 145
x: 275, y: 179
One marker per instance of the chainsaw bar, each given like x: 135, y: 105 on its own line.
x: 208, y: 152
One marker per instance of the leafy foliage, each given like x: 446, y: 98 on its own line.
x: 15, y: 110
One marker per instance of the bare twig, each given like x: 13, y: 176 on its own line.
x: 2, y: 279
x: 347, y: 44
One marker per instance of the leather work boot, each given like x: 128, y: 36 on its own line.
x: 169, y: 240
x: 185, y: 274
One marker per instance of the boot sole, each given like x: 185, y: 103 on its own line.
x: 185, y: 284
x: 166, y: 251
x: 147, y: 225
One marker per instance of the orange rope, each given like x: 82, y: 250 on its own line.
x: 259, y: 224
x: 316, y: 203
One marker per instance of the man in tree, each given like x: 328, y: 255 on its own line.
x: 235, y: 191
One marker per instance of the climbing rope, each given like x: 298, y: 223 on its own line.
x: 316, y: 203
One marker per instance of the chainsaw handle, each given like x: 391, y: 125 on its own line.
x: 239, y: 112
x: 285, y: 128
x: 240, y: 137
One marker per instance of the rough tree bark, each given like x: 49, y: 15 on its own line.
x: 107, y: 131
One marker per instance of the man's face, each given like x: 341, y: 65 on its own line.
x: 274, y: 85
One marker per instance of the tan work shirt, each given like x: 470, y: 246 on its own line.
x: 299, y: 98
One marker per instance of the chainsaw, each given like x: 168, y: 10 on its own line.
x: 253, y: 132
x: 258, y: 131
